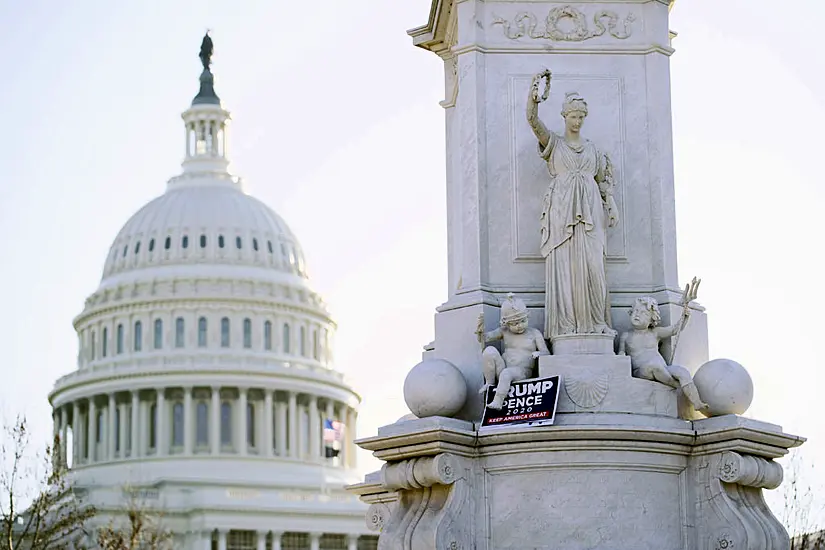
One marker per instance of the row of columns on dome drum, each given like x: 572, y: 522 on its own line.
x: 194, y: 420
x: 272, y: 540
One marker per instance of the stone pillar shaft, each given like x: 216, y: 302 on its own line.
x: 293, y: 425
x: 134, y: 429
x: 112, y: 433
x: 267, y: 442
x: 187, y: 422
x: 75, y: 433
x: 242, y: 421
x: 161, y: 443
x: 91, y: 433
x: 314, y: 429
x: 215, y: 423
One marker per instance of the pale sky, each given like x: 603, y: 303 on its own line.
x: 336, y: 125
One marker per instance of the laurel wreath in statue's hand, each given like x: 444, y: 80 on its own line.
x: 537, y: 95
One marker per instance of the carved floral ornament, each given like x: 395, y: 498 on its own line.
x: 566, y: 24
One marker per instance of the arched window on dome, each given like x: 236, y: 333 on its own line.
x: 125, y: 249
x: 92, y: 347
x: 247, y: 333
x: 203, y: 241
x: 153, y: 425
x: 269, y: 246
x: 202, y: 332
x: 287, y: 338
x: 225, y: 332
x: 268, y: 335
x: 250, y: 424
x: 138, y: 336
x: 255, y: 245
x: 226, y: 424
x: 238, y: 243
x: 316, y: 350
x: 104, y: 342
x: 151, y: 244
x: 303, y: 342
x: 221, y: 242
x: 177, y: 425
x: 137, y: 247
x: 179, y: 333
x: 119, y: 339
x: 168, y: 244
x: 202, y: 425
x: 184, y: 242
x: 158, y: 334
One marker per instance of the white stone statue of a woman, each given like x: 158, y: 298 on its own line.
x: 577, y: 210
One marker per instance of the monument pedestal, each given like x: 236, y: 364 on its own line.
x: 594, y: 481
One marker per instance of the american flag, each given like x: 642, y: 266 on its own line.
x: 333, y: 431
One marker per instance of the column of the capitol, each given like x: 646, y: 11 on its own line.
x: 567, y: 232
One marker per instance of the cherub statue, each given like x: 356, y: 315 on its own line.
x: 521, y: 344
x: 642, y: 344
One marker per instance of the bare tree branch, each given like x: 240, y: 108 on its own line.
x: 42, y: 511
x: 143, y: 529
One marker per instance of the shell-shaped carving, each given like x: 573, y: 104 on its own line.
x: 587, y: 390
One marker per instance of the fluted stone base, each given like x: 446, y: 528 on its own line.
x: 594, y: 481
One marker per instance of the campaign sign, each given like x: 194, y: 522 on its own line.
x: 529, y: 401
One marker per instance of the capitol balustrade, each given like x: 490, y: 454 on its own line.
x: 204, y: 421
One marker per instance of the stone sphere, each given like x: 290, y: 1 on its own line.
x: 725, y: 386
x: 435, y: 387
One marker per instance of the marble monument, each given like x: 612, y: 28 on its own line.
x: 548, y: 228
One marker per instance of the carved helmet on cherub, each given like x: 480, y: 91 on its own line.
x: 512, y: 310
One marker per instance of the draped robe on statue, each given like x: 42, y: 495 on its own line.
x: 574, y: 239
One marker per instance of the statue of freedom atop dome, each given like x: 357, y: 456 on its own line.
x: 206, y: 51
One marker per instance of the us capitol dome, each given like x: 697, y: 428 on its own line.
x: 205, y: 384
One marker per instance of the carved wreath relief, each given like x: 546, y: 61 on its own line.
x: 566, y: 24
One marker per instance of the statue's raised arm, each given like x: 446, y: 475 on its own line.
x: 534, y: 97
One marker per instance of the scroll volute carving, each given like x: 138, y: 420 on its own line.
x: 433, y: 509
x: 731, y: 511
